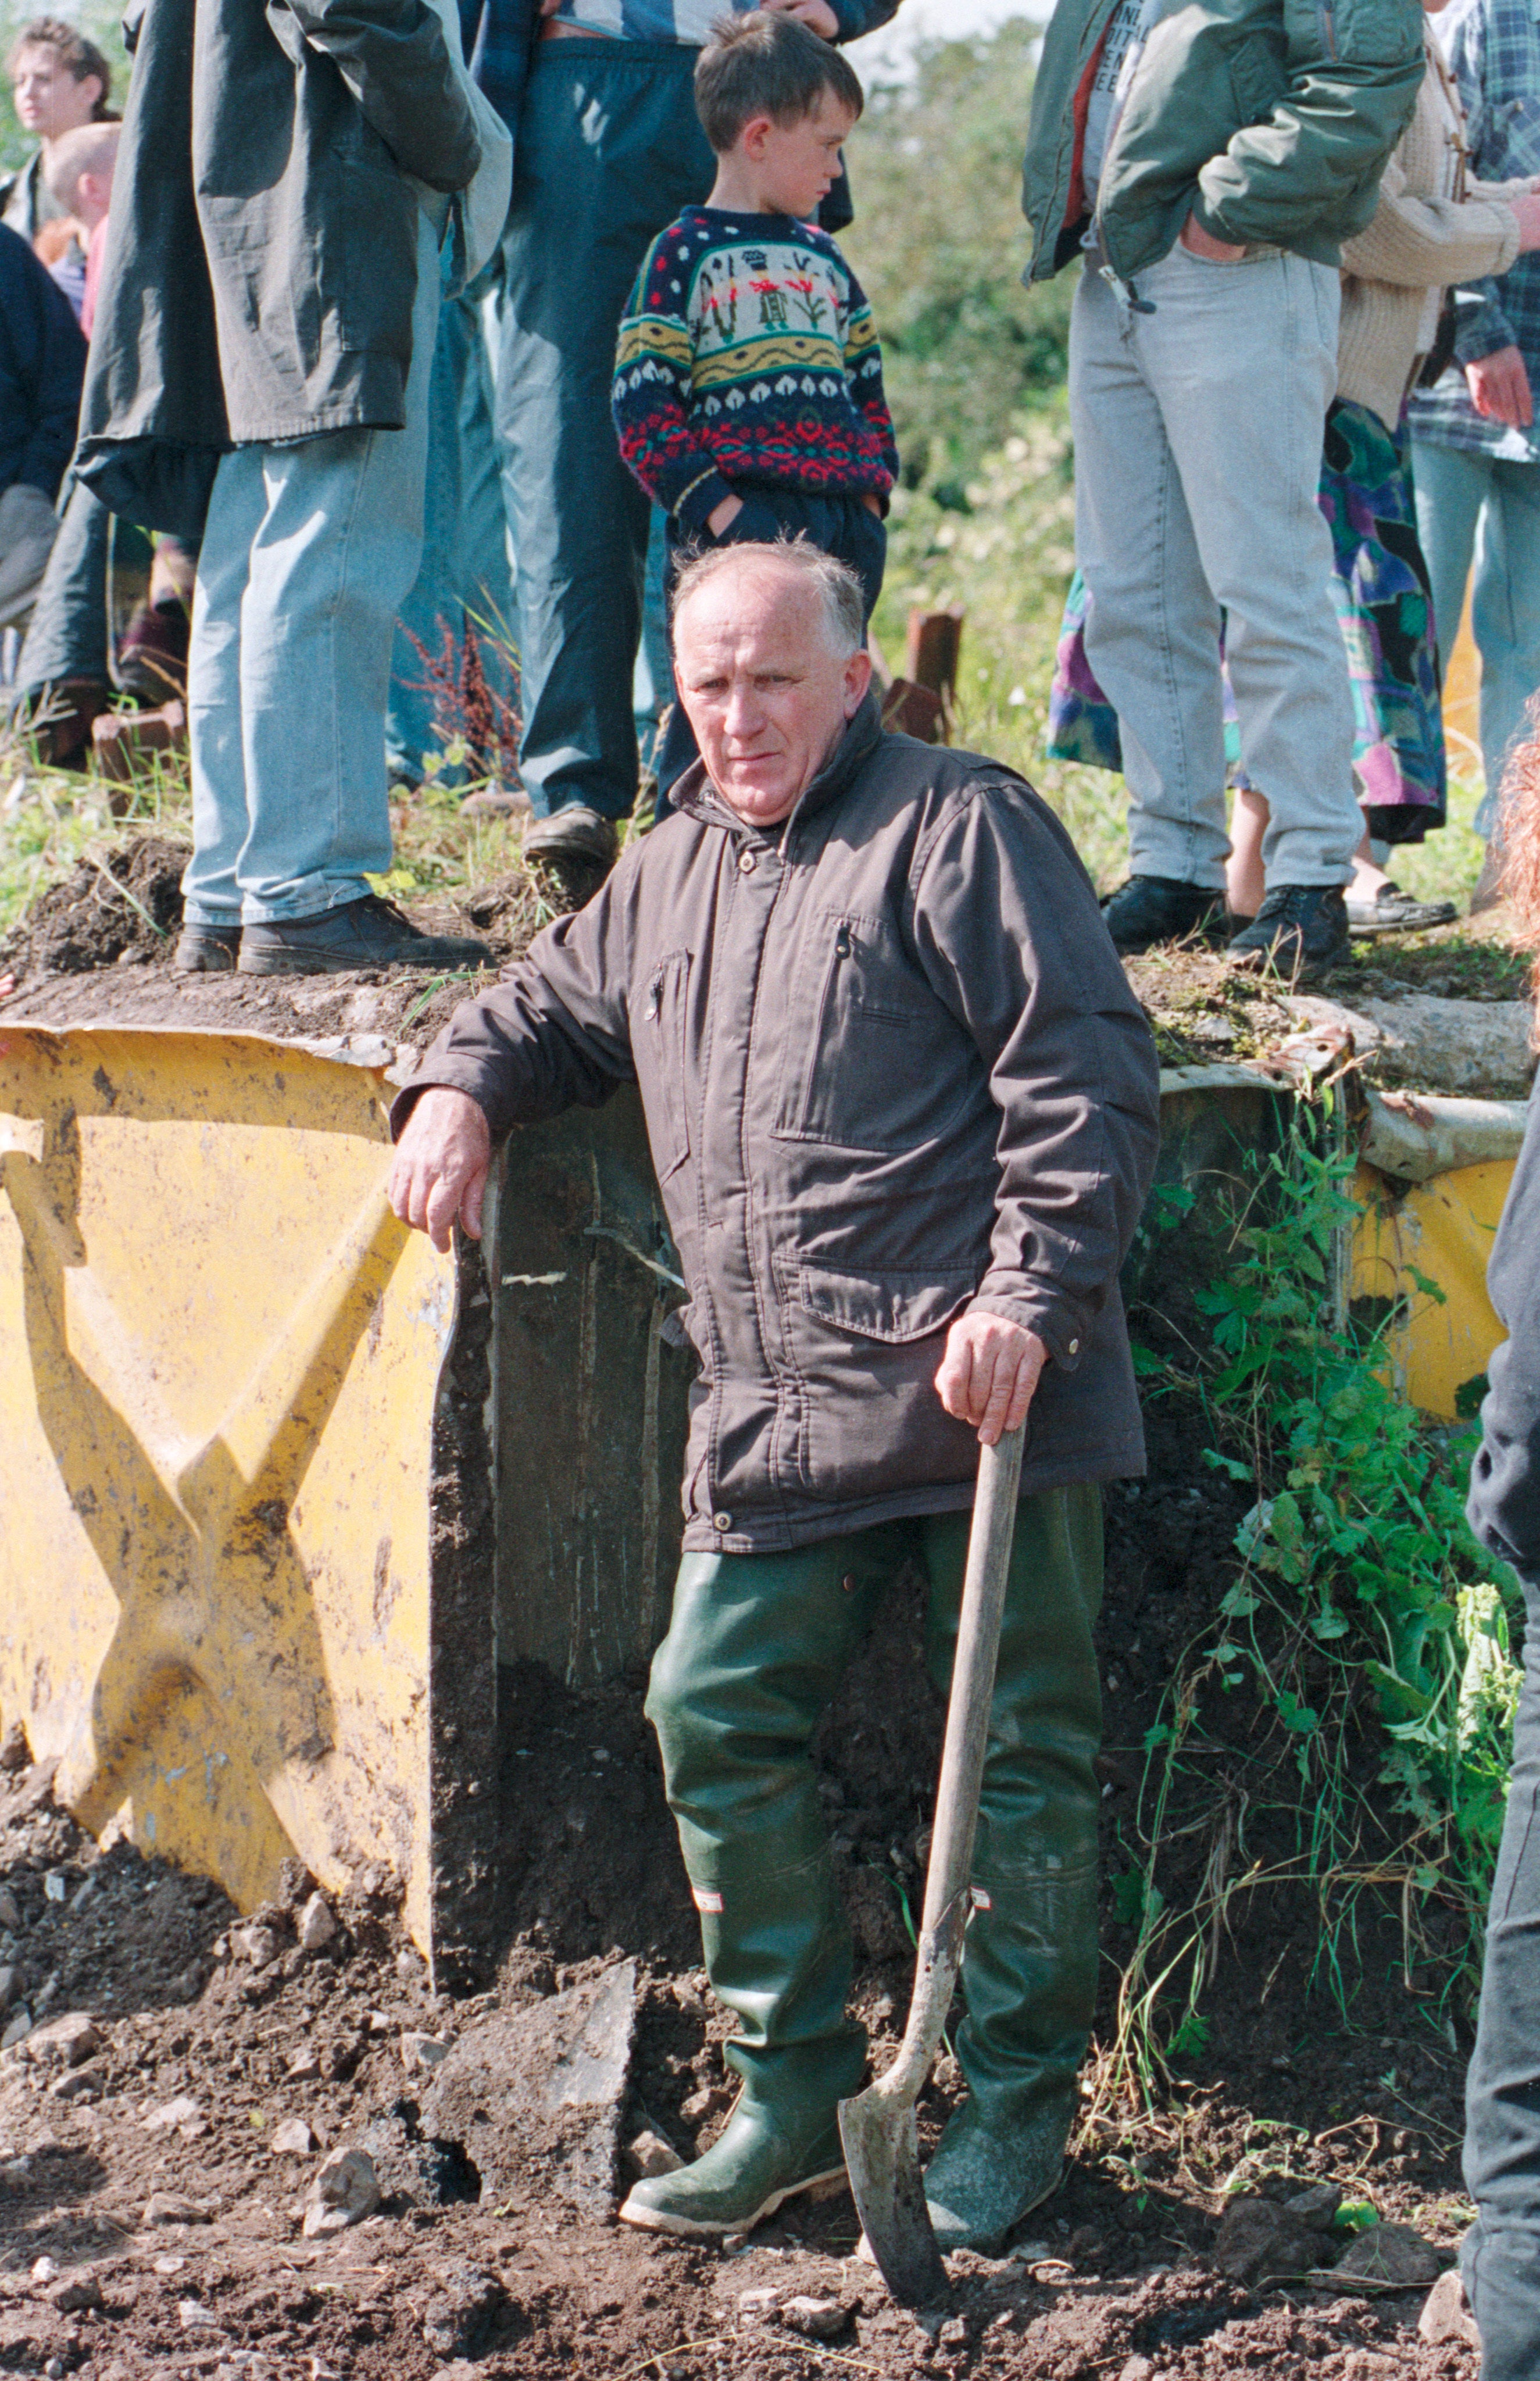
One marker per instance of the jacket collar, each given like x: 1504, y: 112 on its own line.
x: 697, y: 798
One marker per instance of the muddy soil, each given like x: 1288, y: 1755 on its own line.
x: 95, y: 949
x: 150, y: 2180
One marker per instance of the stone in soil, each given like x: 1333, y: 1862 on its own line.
x: 1445, y: 2313
x: 1390, y: 2253
x: 317, y: 1926
x: 293, y: 2137
x: 66, y: 2041
x: 414, y: 2170
x: 343, y: 2189
x: 816, y: 2319
x: 541, y: 2092
x: 1315, y: 2206
x: 647, y: 2154
x: 458, y: 2318
x: 422, y: 2052
x: 1259, y: 2242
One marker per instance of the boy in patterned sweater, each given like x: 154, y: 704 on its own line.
x: 747, y: 380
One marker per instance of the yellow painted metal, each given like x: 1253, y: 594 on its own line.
x: 1442, y: 1230
x: 218, y: 1358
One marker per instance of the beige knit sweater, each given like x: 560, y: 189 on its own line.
x: 1431, y: 227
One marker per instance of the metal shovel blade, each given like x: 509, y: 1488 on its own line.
x: 881, y: 2156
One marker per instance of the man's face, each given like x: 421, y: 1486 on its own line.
x: 48, y: 99
x: 797, y: 164
x: 766, y: 696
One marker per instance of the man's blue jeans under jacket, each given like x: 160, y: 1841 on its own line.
x: 310, y: 552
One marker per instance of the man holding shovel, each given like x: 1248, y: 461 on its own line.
x: 903, y: 1111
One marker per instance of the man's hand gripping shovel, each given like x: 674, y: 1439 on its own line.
x: 882, y: 2148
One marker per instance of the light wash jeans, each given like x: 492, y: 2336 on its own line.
x: 1198, y: 430
x: 465, y: 582
x: 309, y: 551
x: 1484, y: 505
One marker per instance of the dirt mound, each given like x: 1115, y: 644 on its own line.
x: 152, y: 2193
x: 127, y: 904
x: 96, y: 950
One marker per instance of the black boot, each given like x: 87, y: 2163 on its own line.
x: 1300, y: 932
x: 1150, y: 909
x: 369, y: 933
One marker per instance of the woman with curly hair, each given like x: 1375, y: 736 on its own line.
x: 1501, y: 2257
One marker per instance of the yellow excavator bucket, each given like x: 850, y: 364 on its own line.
x: 1424, y: 1247
x: 223, y: 1359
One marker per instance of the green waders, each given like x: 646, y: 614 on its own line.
x: 753, y: 1653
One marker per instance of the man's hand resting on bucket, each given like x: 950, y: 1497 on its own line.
x: 439, y: 1175
x: 989, y: 1373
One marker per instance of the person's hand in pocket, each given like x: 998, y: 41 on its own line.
x: 1199, y: 242
x: 726, y: 513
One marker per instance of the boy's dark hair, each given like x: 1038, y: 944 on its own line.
x: 78, y: 55
x: 765, y: 64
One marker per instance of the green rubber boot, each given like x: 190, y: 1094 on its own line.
x: 1029, y: 1962
x: 765, y: 2156
x: 753, y: 1653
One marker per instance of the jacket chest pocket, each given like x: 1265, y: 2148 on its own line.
x: 854, y: 1013
x: 658, y: 1050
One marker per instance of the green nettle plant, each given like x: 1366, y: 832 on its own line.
x: 1367, y: 1625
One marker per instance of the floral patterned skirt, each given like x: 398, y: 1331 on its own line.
x: 1383, y: 603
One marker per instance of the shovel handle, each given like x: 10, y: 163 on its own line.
x: 949, y: 1875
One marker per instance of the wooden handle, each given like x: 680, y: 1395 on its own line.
x: 957, y: 1801
x: 978, y: 1646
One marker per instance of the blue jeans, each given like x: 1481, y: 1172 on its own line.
x: 609, y: 149
x: 1501, y: 2255
x: 653, y: 680
x: 1477, y: 503
x: 1198, y: 430
x: 465, y: 583
x: 309, y: 551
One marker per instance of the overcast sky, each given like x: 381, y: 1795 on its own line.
x: 930, y: 20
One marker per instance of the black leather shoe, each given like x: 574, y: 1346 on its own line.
x: 1300, y: 932
x: 574, y: 831
x: 206, y: 950
x: 1150, y: 909
x: 368, y: 933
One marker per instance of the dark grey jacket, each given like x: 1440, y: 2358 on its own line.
x: 1504, y: 1507
x: 263, y: 258
x: 891, y: 1070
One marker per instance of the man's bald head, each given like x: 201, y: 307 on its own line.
x: 769, y: 652
x: 813, y: 576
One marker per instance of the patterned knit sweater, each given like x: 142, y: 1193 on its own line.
x: 747, y: 352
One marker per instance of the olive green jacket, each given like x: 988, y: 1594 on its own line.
x: 1270, y: 120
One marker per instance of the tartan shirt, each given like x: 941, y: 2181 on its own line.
x: 500, y: 32
x: 1493, y: 47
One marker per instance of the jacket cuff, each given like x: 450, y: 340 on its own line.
x: 695, y: 509
x: 1480, y: 329
x: 858, y: 16
x: 1062, y: 1330
x: 444, y: 1073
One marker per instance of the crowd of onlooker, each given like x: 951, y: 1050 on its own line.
x: 396, y: 362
